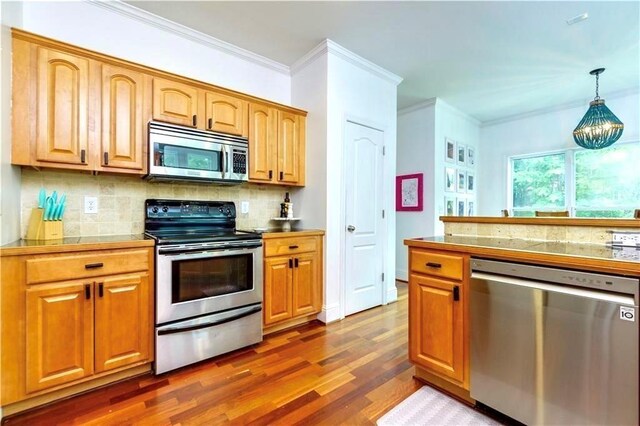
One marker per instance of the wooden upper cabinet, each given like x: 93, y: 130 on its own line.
x: 122, y: 321
x: 176, y: 103
x: 289, y: 143
x: 122, y: 118
x: 226, y: 114
x: 263, y: 155
x: 59, y: 326
x: 62, y: 105
x: 436, y: 334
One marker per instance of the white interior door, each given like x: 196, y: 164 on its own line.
x: 364, y: 222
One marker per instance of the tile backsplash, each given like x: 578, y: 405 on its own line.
x: 576, y: 234
x: 121, y: 200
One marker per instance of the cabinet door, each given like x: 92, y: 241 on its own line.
x: 175, y: 102
x: 123, y: 127
x: 62, y: 107
x: 436, y: 326
x: 277, y: 289
x: 288, y: 147
x: 59, y: 327
x: 226, y: 114
x: 262, y: 143
x: 122, y: 321
x: 306, y: 289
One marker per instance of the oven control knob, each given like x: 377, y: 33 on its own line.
x: 165, y: 209
x: 154, y: 209
x: 228, y: 212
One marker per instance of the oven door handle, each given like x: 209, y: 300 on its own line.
x: 174, y: 330
x: 198, y: 253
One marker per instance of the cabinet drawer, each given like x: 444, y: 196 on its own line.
x: 441, y: 265
x: 285, y: 246
x: 59, y: 268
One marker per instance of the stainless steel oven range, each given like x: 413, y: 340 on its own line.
x: 208, y: 281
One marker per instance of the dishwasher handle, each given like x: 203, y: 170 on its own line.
x: 603, y: 295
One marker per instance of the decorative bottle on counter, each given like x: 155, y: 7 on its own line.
x: 289, y: 205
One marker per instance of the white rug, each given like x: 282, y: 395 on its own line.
x: 427, y: 406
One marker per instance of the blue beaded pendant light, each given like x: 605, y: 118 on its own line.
x: 599, y: 128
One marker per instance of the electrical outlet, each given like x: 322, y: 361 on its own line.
x: 244, y: 207
x: 91, y: 205
x: 626, y: 238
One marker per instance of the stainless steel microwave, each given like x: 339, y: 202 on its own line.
x: 183, y: 153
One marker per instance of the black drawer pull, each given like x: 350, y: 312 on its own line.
x: 93, y: 265
x: 270, y: 174
x: 456, y: 293
x: 434, y: 265
x: 195, y: 120
x: 293, y: 247
x: 281, y: 176
x: 101, y: 289
x: 210, y: 123
x: 106, y: 158
x: 290, y: 263
x: 83, y: 156
x: 296, y: 262
x: 87, y: 291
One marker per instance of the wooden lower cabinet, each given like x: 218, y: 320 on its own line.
x: 438, y: 317
x: 435, y: 316
x: 67, y: 332
x: 293, y: 281
x: 59, y: 327
x: 306, y: 290
x: 277, y: 290
x: 122, y: 321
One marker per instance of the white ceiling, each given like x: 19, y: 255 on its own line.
x: 489, y: 59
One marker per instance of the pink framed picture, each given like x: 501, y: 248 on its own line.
x: 409, y: 193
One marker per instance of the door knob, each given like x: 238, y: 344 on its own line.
x: 351, y: 228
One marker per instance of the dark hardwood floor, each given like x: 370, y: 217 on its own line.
x: 349, y: 372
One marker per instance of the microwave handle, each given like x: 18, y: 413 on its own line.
x: 222, y: 152
x: 226, y: 161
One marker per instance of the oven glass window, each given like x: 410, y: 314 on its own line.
x: 214, y: 276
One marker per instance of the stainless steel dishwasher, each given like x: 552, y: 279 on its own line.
x: 554, y: 346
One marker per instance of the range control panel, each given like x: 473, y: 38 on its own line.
x: 179, y: 209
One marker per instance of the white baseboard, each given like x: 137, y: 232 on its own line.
x: 392, y: 293
x: 330, y: 313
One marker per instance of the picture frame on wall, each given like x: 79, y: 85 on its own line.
x: 471, y: 208
x: 471, y: 182
x: 449, y: 150
x: 449, y: 206
x: 460, y: 207
x: 450, y: 179
x: 461, y: 154
x: 409, y: 190
x: 462, y: 181
x: 471, y: 156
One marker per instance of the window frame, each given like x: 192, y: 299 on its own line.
x: 569, y: 179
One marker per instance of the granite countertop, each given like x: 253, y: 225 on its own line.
x: 21, y: 247
x: 593, y: 256
x: 278, y: 233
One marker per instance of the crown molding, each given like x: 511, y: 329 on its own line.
x: 421, y: 105
x: 164, y: 24
x: 456, y: 111
x: 568, y: 105
x: 327, y: 46
x: 310, y: 57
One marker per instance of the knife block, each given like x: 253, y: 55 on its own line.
x: 39, y: 229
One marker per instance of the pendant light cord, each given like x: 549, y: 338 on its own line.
x: 597, y: 87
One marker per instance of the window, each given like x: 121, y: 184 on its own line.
x: 602, y: 183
